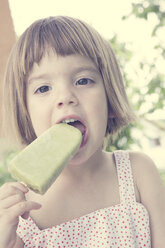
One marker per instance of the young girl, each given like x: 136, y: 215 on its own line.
x: 61, y: 69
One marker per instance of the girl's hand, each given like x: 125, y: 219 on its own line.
x: 12, y: 205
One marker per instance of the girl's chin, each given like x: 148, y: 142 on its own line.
x: 80, y: 157
x: 77, y: 157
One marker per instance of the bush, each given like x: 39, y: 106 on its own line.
x: 4, y: 174
x: 162, y: 174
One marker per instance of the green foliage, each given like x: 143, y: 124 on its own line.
x: 4, y: 175
x: 122, y: 53
x: 5, y: 158
x: 144, y: 8
x: 155, y: 82
x: 153, y: 90
x: 123, y: 140
x: 162, y: 174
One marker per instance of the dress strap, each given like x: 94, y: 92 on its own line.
x: 27, y: 230
x: 125, y: 177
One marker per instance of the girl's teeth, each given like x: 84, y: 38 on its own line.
x: 68, y: 121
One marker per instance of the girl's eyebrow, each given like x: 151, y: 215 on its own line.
x: 41, y: 76
x: 75, y: 70
x: 86, y: 68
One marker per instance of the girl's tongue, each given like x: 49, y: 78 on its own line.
x: 78, y: 125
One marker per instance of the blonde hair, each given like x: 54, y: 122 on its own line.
x: 65, y: 35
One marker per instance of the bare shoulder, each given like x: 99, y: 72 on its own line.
x: 145, y: 172
x: 19, y: 243
x: 152, y: 194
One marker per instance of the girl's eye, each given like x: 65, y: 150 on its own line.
x: 84, y: 81
x: 43, y: 89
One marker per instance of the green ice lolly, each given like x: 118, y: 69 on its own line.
x: 40, y: 163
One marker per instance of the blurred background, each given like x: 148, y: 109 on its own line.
x: 136, y: 31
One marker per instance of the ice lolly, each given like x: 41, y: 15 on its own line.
x: 40, y: 163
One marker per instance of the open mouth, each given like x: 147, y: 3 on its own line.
x: 79, y: 125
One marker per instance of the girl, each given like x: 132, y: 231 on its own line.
x: 61, y: 69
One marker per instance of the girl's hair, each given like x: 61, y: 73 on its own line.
x: 65, y: 35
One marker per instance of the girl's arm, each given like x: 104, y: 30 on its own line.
x: 152, y: 193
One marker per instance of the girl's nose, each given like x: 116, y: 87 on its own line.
x: 67, y: 99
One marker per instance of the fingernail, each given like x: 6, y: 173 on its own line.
x: 38, y: 205
x: 25, y: 186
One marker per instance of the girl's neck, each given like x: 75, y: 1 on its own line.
x: 84, y: 172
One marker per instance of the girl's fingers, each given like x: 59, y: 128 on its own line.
x: 11, y: 200
x: 25, y: 206
x: 19, y: 209
x: 25, y: 215
x: 20, y: 186
x: 9, y: 189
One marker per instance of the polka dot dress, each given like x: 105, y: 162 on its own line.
x: 125, y: 225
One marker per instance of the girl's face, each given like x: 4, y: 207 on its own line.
x: 69, y: 89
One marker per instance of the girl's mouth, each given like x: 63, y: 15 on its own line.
x: 83, y: 130
x: 79, y: 125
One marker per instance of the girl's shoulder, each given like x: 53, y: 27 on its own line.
x: 146, y: 178
x: 141, y: 161
x: 152, y: 194
x: 143, y: 167
x: 146, y: 174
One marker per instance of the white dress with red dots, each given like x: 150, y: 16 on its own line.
x: 125, y: 225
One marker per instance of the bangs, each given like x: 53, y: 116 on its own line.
x: 62, y: 35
